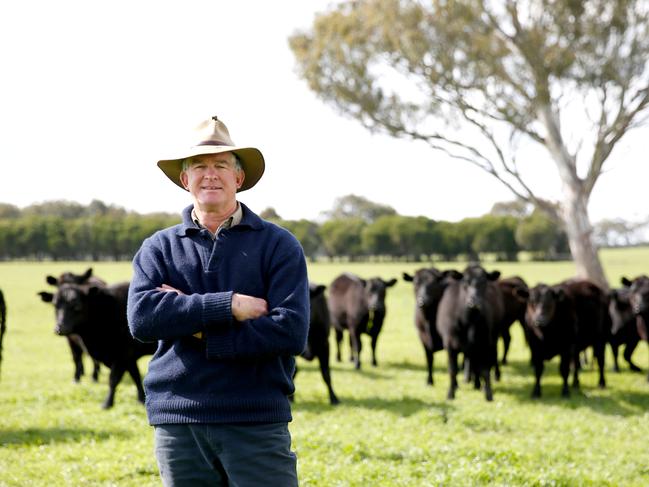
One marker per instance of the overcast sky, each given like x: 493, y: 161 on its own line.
x: 93, y: 93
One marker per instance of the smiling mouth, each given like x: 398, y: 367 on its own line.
x: 211, y: 188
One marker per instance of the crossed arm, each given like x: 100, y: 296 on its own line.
x: 244, y: 307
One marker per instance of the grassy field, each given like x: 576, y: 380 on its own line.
x: 390, y: 430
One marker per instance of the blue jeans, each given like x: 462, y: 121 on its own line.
x: 239, y: 455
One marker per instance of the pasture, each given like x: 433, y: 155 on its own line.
x: 390, y: 429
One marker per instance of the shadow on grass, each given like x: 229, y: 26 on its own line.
x: 45, y: 436
x: 403, y: 407
x: 609, y: 401
x: 368, y: 371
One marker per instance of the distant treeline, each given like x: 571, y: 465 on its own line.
x: 62, y: 230
x: 416, y: 239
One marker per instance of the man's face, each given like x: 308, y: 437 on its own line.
x: 212, y: 180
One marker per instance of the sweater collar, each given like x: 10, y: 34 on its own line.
x: 248, y: 219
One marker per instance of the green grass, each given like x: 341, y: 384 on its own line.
x: 390, y: 430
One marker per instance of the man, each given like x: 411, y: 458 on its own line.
x: 226, y: 296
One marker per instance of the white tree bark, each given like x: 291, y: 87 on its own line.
x: 574, y: 206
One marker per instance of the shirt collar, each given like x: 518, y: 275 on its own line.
x: 231, y: 221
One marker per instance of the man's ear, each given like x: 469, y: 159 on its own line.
x: 184, y: 179
x: 241, y: 176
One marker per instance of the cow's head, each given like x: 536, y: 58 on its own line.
x: 429, y: 284
x: 70, y: 306
x: 542, y: 305
x: 638, y: 294
x: 316, y: 290
x: 375, y: 289
x: 473, y: 285
x: 619, y: 309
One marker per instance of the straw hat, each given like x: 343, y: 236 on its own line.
x: 214, y: 138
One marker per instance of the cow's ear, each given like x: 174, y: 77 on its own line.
x: 390, y: 283
x: 52, y: 280
x: 46, y: 297
x: 407, y: 277
x: 88, y: 274
x: 493, y: 276
x: 625, y: 282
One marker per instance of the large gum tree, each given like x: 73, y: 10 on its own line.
x: 487, y: 81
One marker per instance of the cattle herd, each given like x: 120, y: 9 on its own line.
x: 465, y: 313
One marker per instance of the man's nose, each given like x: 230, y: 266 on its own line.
x: 211, y: 171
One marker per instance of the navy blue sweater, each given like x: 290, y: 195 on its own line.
x: 240, y: 371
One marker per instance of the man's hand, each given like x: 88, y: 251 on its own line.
x: 248, y: 307
x: 168, y: 289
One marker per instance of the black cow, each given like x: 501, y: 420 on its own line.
x: 429, y: 285
x: 623, y: 327
x: 318, y: 339
x: 77, y: 347
x: 3, y: 321
x: 639, y: 298
x: 514, y: 291
x: 564, y: 320
x: 98, y: 315
x: 357, y: 305
x: 468, y: 319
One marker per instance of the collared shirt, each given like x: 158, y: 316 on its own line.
x: 229, y: 222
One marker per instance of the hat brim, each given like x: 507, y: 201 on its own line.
x: 251, y: 159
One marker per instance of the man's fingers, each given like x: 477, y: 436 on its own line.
x: 168, y: 289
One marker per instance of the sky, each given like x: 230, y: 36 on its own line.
x: 94, y: 93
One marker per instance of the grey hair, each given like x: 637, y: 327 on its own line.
x: 237, y: 163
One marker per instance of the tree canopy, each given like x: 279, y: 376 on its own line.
x: 485, y: 80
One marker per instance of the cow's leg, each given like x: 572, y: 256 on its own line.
x: 538, y: 372
x: 576, y: 363
x: 134, y: 372
x: 95, y: 370
x: 452, y: 372
x: 351, y: 347
x: 429, y: 364
x: 77, y: 354
x: 614, y: 350
x: 375, y: 337
x: 628, y: 352
x: 466, y: 367
x: 599, y: 351
x: 339, y: 339
x: 564, y: 370
x: 356, y: 346
x: 507, y: 338
x: 492, y: 360
x: 116, y: 374
x: 323, y: 358
x: 486, y: 377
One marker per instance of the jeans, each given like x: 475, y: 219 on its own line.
x: 239, y: 455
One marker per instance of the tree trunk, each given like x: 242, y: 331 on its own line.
x: 577, y: 223
x: 574, y: 207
